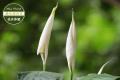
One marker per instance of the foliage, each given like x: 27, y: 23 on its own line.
x: 98, y: 30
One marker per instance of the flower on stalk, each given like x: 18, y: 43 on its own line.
x: 71, y: 45
x: 45, y: 37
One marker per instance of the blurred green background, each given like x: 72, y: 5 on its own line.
x: 98, y: 37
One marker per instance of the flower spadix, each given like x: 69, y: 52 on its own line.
x: 71, y: 44
x: 45, y: 37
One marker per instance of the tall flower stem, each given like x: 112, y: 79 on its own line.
x: 44, y: 61
x: 71, y: 75
x: 44, y: 67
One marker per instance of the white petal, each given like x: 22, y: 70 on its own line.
x: 45, y: 36
x: 71, y: 44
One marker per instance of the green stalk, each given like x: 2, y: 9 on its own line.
x: 44, y: 67
x: 44, y: 62
x: 71, y: 75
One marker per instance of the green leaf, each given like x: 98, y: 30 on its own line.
x: 39, y: 75
x: 99, y: 77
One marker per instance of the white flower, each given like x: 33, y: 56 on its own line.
x: 71, y: 44
x: 45, y: 37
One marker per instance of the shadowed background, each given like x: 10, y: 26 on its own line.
x: 98, y: 31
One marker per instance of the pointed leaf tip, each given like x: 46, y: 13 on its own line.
x: 54, y: 9
x: 72, y: 10
x: 72, y: 13
x: 101, y: 69
x: 56, y: 6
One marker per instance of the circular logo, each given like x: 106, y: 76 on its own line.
x: 13, y: 13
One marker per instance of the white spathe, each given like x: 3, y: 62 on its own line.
x: 71, y: 44
x: 45, y: 37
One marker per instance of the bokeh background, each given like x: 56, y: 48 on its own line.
x: 98, y: 37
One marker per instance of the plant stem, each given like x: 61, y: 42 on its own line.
x: 44, y: 67
x: 71, y: 75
